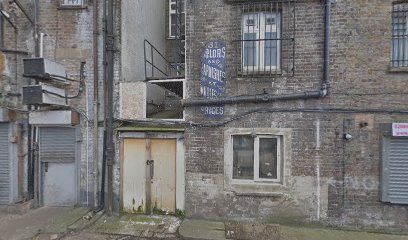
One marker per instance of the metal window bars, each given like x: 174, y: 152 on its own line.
x: 399, y: 37
x: 266, y: 45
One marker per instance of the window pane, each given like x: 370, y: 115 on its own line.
x: 268, y: 158
x: 271, y: 49
x: 243, y: 154
x: 250, y: 54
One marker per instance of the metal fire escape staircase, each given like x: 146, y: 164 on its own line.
x: 157, y: 66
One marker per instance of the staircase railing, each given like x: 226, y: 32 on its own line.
x: 157, y: 66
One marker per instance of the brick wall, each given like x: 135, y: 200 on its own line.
x: 69, y: 41
x: 332, y: 180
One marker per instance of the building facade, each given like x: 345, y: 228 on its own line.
x: 276, y: 110
x: 277, y: 150
x: 49, y: 158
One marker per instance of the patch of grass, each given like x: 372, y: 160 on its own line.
x: 180, y: 214
x: 159, y: 211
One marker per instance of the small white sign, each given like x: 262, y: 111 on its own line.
x: 400, y: 129
x: 73, y: 2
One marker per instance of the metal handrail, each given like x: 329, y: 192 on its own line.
x: 153, y: 67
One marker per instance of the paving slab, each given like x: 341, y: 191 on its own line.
x: 200, y: 229
x: 138, y: 225
x: 303, y: 233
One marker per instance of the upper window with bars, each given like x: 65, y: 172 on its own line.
x: 261, y: 41
x: 267, y: 44
x: 176, y: 19
x: 399, y: 39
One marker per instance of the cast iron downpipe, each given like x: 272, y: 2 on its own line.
x: 326, y: 68
x: 102, y: 191
x: 259, y: 98
x: 110, y: 151
x: 32, y: 131
x: 96, y: 100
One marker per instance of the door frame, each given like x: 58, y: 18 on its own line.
x: 180, y: 161
x: 77, y: 163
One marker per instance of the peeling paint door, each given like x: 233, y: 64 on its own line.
x: 149, y: 175
x: 163, y: 153
x: 134, y: 164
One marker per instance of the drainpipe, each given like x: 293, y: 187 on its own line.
x: 110, y: 147
x: 1, y: 29
x: 96, y: 101
x: 292, y: 96
x: 32, y: 131
x: 102, y: 191
x: 326, y: 68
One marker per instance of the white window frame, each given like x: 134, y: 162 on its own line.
x: 257, y: 179
x: 171, y: 12
x: 259, y: 28
x: 259, y: 188
x: 73, y: 3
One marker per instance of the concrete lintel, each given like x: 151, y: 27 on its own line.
x: 60, y: 117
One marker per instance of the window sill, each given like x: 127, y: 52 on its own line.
x: 259, y: 189
x: 260, y: 73
x: 398, y: 69
x: 263, y: 194
x: 72, y: 7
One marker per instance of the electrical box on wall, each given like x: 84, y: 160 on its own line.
x: 44, y: 95
x: 44, y: 69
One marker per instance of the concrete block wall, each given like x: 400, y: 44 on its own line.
x: 332, y: 180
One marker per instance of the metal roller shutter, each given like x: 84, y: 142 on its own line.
x: 4, y: 165
x: 57, y: 144
x: 395, y: 171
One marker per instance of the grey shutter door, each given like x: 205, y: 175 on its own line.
x: 57, y: 144
x: 395, y: 171
x: 4, y: 165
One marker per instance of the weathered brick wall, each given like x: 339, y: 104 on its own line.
x: 332, y: 180
x: 69, y: 41
x: 11, y: 70
x: 16, y: 45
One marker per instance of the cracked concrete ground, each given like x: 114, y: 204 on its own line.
x: 141, y: 226
x: 49, y: 223
x: 40, y: 220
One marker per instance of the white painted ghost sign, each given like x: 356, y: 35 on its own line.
x: 213, y: 75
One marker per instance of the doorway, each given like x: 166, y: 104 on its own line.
x: 151, y: 171
x: 58, y: 153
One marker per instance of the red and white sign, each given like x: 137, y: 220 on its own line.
x: 400, y: 129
